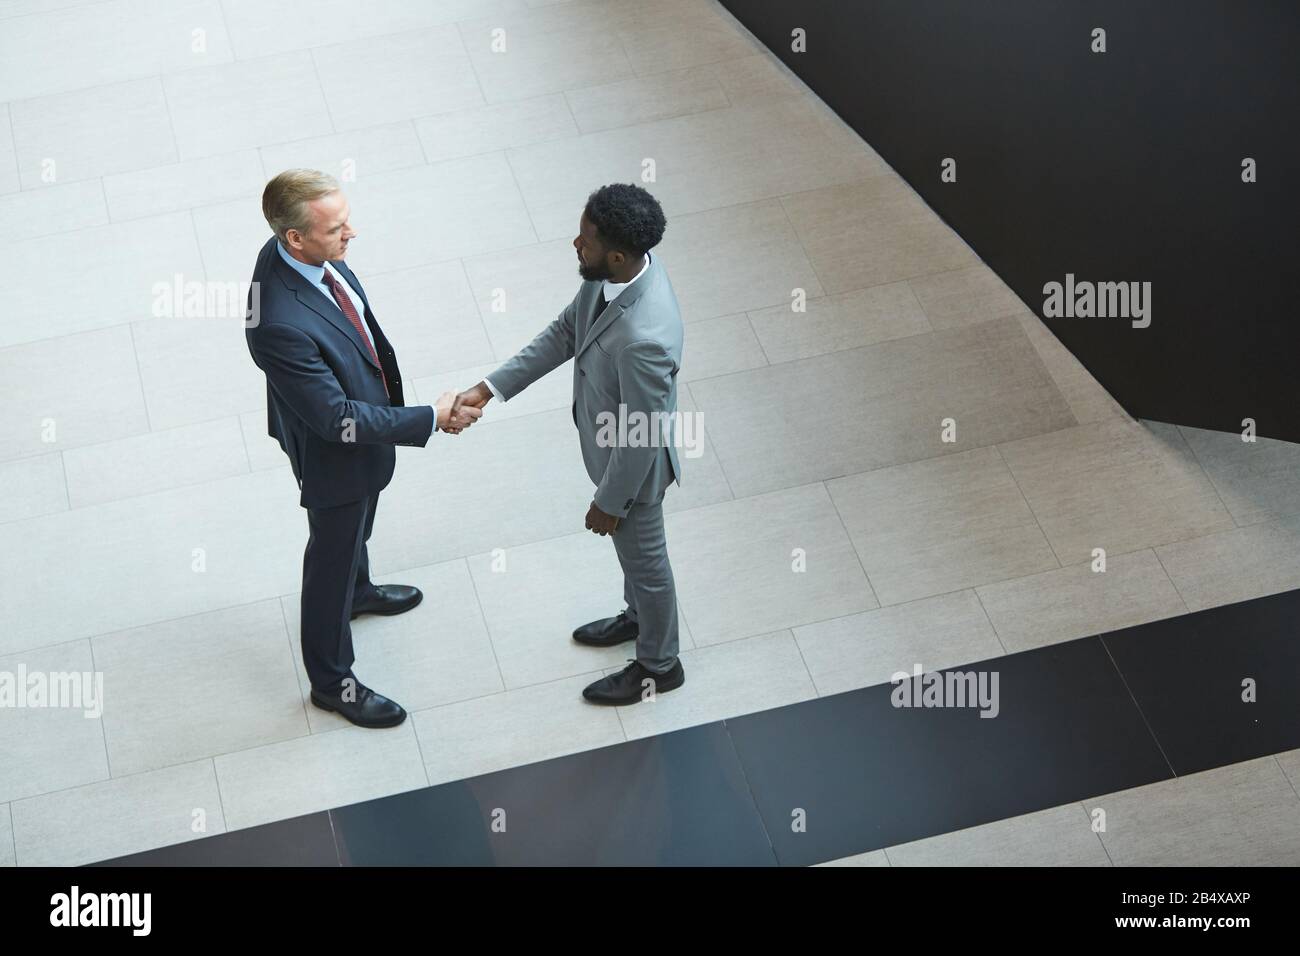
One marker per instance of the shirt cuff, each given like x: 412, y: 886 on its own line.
x: 493, y: 389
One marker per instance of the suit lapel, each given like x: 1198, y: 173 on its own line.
x: 626, y: 300
x: 314, y: 299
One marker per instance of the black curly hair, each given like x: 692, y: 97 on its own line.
x: 627, y: 218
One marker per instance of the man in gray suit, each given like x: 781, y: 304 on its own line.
x: 624, y: 331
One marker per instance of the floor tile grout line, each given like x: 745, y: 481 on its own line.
x: 989, y: 617
x: 487, y: 629
x: 1023, y: 497
x: 294, y: 652
x: 1087, y: 816
x: 221, y: 802
x: 749, y: 789
x: 875, y: 597
x: 686, y: 387
x: 1172, y: 583
x: 1286, y: 776
x: 103, y: 727
x: 13, y: 832
x: 1154, y: 739
x: 139, y: 378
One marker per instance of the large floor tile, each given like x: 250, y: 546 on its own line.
x: 874, y: 231
x: 96, y: 43
x: 1061, y: 836
x: 196, y: 370
x: 198, y: 182
x: 523, y: 54
x: 1216, y: 686
x: 643, y: 99
x: 199, y: 548
x: 1075, y: 601
x: 1087, y: 399
x: 512, y: 729
x: 113, y: 817
x: 521, y: 291
x: 33, y: 486
x: 93, y: 132
x: 197, y: 687
x: 761, y: 564
x: 349, y: 157
x: 535, y: 595
x: 699, y: 163
x: 525, y: 483
x: 844, y: 321
x: 49, y: 210
x: 873, y: 858
x: 855, y: 762
x: 1246, y: 814
x: 938, y: 525
x: 879, y: 405
x: 424, y: 214
x: 396, y: 77
x: 965, y: 297
x: 485, y: 129
x: 1235, y: 565
x: 740, y: 257
x: 720, y: 346
x: 154, y: 461
x: 871, y: 647
x: 318, y: 772
x: 722, y: 682
x: 1115, y: 486
x: 429, y: 316
x: 436, y: 653
x: 122, y: 269
x: 70, y: 391
x: 1258, y: 480
x: 264, y: 27
x: 209, y: 107
x: 675, y: 35
x: 46, y: 748
x: 676, y: 800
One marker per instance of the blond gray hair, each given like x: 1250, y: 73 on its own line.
x: 285, y: 198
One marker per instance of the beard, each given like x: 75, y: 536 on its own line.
x: 598, y: 271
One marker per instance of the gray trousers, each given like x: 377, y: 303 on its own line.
x: 648, y: 586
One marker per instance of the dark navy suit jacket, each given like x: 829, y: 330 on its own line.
x: 325, y: 399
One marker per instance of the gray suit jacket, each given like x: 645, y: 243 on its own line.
x: 628, y: 355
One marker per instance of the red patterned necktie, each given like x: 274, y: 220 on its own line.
x: 345, y: 303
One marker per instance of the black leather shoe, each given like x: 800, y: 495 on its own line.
x: 388, y: 599
x: 608, y: 631
x: 625, y: 687
x: 368, y: 710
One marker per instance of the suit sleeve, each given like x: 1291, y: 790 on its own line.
x: 645, y: 381
x: 551, y: 348
x: 301, y: 377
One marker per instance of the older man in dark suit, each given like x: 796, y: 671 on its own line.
x: 334, y: 403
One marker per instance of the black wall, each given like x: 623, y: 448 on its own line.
x: 1115, y: 166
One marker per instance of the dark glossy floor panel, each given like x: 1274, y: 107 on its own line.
x: 1187, y: 675
x: 301, y: 841
x: 680, y: 799
x: 867, y: 774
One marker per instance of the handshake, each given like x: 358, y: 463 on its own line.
x: 456, y: 411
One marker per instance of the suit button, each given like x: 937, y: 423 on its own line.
x: 582, y: 373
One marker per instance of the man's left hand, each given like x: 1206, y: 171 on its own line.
x: 600, y: 522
